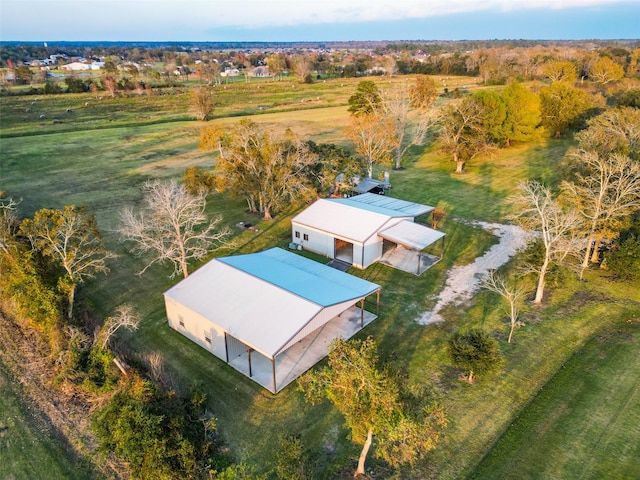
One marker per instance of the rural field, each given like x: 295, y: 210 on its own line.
x: 565, y: 405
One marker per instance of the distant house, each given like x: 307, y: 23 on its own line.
x: 261, y: 71
x: 365, y: 229
x: 271, y: 315
x: 80, y: 66
x: 230, y: 72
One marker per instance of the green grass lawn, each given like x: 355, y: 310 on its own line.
x: 103, y: 168
x: 28, y: 448
x: 585, y: 423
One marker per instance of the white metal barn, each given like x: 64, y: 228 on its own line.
x: 271, y: 315
x: 365, y: 229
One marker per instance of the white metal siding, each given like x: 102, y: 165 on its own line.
x: 196, y: 328
x: 372, y: 251
x: 319, y: 242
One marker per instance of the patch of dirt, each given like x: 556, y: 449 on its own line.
x: 463, y: 281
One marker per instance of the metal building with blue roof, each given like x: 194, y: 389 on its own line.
x: 368, y: 228
x: 271, y: 315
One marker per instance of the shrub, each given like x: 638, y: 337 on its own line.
x: 624, y: 261
x: 476, y: 352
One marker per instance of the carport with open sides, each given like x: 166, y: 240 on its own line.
x: 405, y: 243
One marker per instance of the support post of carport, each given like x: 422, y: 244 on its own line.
x: 378, y: 302
x: 362, y: 313
x: 273, y: 371
x: 419, y: 261
x: 249, y: 355
x: 442, y: 249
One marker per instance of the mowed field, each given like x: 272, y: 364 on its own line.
x: 28, y: 446
x: 101, y: 158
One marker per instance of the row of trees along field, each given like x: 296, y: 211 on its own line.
x: 142, y: 70
x: 592, y: 218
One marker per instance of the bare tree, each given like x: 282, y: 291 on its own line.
x: 8, y: 221
x: 604, y: 196
x: 409, y: 129
x: 374, y: 137
x: 302, y: 67
x: 202, y: 103
x: 540, y: 212
x: 110, y: 84
x: 509, y: 291
x: 71, y: 238
x: 172, y: 227
x: 125, y: 317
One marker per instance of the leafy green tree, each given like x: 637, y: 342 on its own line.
x: 198, y: 181
x: 476, y: 352
x: 366, y: 99
x: 604, y: 71
x: 71, y: 239
x: 523, y: 114
x: 334, y: 168
x: 291, y: 459
x: 159, y: 435
x: 628, y: 98
x: 614, y: 131
x: 268, y: 170
x: 24, y: 74
x: 423, y: 92
x: 277, y: 64
x: 562, y: 107
x: 75, y: 85
x: 370, y: 400
x: 560, y: 71
x: 624, y: 261
x: 494, y: 114
x: 461, y: 132
x: 28, y: 287
x: 52, y: 88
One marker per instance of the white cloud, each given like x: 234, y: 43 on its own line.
x: 261, y: 13
x: 189, y: 18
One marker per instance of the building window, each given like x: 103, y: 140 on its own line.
x: 306, y: 237
x: 297, y: 234
x: 181, y: 321
x: 207, y: 339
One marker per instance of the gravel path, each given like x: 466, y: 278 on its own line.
x: 462, y: 282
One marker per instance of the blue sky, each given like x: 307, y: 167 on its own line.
x: 317, y: 20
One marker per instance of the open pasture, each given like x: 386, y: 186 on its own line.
x: 102, y: 160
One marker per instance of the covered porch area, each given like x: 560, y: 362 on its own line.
x: 404, y: 245
x: 275, y: 374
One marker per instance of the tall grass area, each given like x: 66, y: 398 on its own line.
x: 103, y: 168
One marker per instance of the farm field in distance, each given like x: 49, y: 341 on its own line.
x: 572, y: 368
